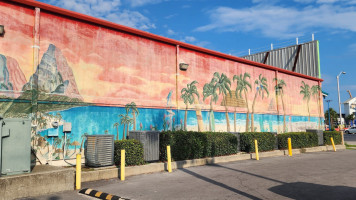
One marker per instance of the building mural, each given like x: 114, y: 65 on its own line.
x: 56, y: 69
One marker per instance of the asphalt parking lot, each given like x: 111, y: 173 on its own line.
x: 322, y: 175
x: 350, y: 139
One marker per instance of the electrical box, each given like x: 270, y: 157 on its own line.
x: 15, y: 146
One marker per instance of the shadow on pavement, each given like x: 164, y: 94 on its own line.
x: 249, y: 173
x: 302, y: 191
x: 220, y: 184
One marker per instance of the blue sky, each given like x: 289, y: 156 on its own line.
x: 234, y: 26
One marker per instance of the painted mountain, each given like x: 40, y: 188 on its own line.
x: 11, y: 77
x: 53, y: 75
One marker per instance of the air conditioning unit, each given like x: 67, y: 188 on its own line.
x: 99, y: 150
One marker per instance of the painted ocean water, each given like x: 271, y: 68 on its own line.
x: 100, y: 120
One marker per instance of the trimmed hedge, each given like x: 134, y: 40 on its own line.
x: 133, y: 152
x: 187, y: 145
x: 266, y: 141
x: 336, y: 136
x: 299, y: 140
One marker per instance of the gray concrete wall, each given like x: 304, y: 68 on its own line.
x: 35, y: 184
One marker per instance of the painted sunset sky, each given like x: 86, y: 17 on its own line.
x: 116, y: 68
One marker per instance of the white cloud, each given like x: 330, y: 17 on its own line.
x: 108, y: 10
x: 304, y: 1
x: 281, y: 22
x: 88, y: 7
x: 348, y: 87
x: 352, y: 47
x: 349, y: 2
x: 170, y: 32
x: 189, y: 39
x: 135, y: 3
x: 202, y: 43
x: 131, y: 18
x: 170, y: 16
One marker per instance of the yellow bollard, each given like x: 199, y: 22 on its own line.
x: 256, y: 148
x: 169, y: 160
x: 122, y: 167
x: 290, y: 147
x: 78, y: 172
x: 332, y: 142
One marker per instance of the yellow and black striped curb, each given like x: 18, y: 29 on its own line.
x: 100, y: 195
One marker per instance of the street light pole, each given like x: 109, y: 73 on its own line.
x: 329, y: 113
x: 338, y: 92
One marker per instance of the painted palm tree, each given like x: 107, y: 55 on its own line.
x: 125, y: 120
x: 242, y: 87
x: 223, y: 84
x: 129, y: 121
x: 132, y: 107
x: 261, y: 89
x: 210, y: 91
x: 305, y: 91
x: 188, y: 95
x: 315, y: 91
x: 279, y: 88
x: 57, y: 142
x: 117, y: 124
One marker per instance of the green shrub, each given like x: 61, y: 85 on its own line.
x: 165, y: 139
x: 133, y: 152
x: 220, y: 144
x: 336, y: 136
x: 299, y: 140
x: 266, y: 141
x: 191, y: 145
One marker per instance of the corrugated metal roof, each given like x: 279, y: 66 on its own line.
x: 285, y: 58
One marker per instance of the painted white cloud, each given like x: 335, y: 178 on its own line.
x: 106, y: 9
x: 281, y: 22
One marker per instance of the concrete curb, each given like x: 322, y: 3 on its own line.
x: 113, y: 171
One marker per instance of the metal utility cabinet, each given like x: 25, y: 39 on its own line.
x: 150, y: 141
x: 15, y: 146
x: 320, y: 135
x: 99, y: 150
